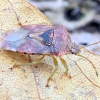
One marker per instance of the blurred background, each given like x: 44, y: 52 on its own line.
x: 80, y: 17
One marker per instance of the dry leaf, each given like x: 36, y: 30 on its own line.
x: 28, y: 83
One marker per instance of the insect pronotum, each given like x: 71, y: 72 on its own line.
x: 43, y: 40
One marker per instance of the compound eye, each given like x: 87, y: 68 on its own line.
x: 75, y: 48
x: 72, y: 52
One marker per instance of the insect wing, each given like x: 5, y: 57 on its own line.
x: 28, y: 39
x: 13, y: 39
x: 40, y: 32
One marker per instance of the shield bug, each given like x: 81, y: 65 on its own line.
x: 42, y: 40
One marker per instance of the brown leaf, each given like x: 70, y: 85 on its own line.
x: 28, y: 83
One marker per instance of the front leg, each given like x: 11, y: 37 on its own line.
x: 66, y: 67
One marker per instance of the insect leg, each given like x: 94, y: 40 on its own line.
x: 66, y: 66
x: 30, y: 60
x: 56, y: 65
x: 30, y: 63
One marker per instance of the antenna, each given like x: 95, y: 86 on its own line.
x: 91, y: 44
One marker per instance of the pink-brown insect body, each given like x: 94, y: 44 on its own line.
x: 62, y: 43
x: 39, y: 39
